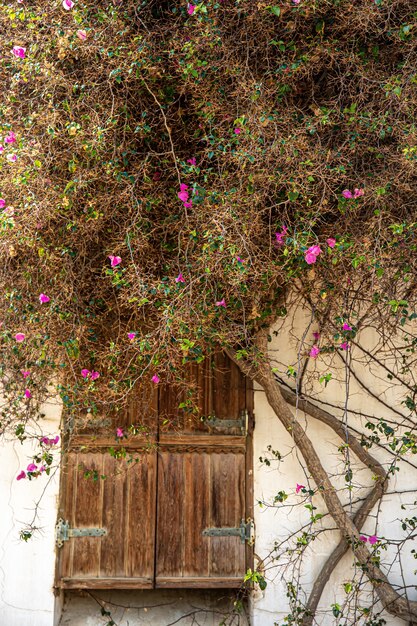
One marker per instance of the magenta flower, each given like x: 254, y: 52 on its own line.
x: 346, y: 326
x: 12, y: 158
x: 347, y: 194
x: 373, y: 539
x: 25, y: 373
x: 82, y: 35
x: 311, y: 254
x: 21, y: 475
x: 20, y: 337
x: 155, y: 379
x: 239, y: 260
x: 2, y: 203
x: 363, y: 538
x: 280, y: 237
x: 19, y: 52
x: 43, y: 298
x: 344, y: 345
x: 296, y: 1
x: 27, y: 393
x: 221, y: 302
x: 180, y: 278
x: 331, y: 242
x: 55, y: 440
x: 85, y: 373
x: 192, y: 161
x: 314, y: 352
x: 114, y: 260
x: 298, y: 488
x: 120, y: 433
x: 183, y: 196
x: 10, y: 138
x: 316, y: 336
x: 67, y: 4
x: 50, y: 442
x: 31, y: 467
x: 191, y: 9
x: 94, y: 375
x: 237, y: 131
x: 357, y: 193
x: 131, y: 336
x: 188, y: 205
x: 42, y: 468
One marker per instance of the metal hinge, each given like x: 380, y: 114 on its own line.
x: 244, y: 531
x: 63, y: 532
x: 242, y: 422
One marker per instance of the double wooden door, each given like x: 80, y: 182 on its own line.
x: 168, y: 507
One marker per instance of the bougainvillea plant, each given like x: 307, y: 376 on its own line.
x: 172, y: 176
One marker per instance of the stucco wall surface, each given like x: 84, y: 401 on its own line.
x: 27, y: 569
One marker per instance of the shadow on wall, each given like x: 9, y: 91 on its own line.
x: 150, y: 607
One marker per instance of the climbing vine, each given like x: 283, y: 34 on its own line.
x: 178, y: 178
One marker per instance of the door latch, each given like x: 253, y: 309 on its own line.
x: 63, y: 532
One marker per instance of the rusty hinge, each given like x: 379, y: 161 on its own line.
x: 63, y: 532
x: 242, y: 422
x: 244, y: 531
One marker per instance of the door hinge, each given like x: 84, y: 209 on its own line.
x: 244, y: 531
x: 63, y: 532
x: 242, y: 422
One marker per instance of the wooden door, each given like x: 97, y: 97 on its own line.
x: 188, y: 474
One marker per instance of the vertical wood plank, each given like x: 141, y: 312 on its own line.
x: 170, y: 515
x: 113, y: 517
x: 227, y: 509
x: 68, y: 490
x: 196, y: 514
x: 141, y: 518
x: 87, y: 513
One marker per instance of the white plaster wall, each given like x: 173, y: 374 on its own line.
x: 27, y: 569
x: 269, y: 608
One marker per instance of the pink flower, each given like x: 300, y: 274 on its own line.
x: 20, y: 337
x: 12, y: 158
x: 31, y: 467
x: 155, y: 379
x: 183, y: 187
x: 331, y: 242
x: 192, y: 161
x: 21, y: 475
x: 346, y: 326
x: 120, y: 433
x: 43, y: 298
x: 188, y: 205
x: 67, y: 4
x: 82, y: 34
x: 239, y: 260
x: 363, y: 538
x: 2, y: 203
x: 42, y: 468
x: 344, y: 345
x: 19, y: 52
x: 55, y: 440
x: 280, y: 237
x: 347, y: 194
x: 296, y: 1
x: 314, y: 352
x: 237, y: 131
x: 85, y: 373
x: 316, y: 336
x: 298, y: 488
x: 183, y: 196
x: 131, y: 336
x: 10, y: 138
x: 311, y: 254
x: 373, y: 539
x: 191, y: 9
x: 27, y: 393
x: 180, y: 278
x: 114, y: 260
x: 221, y: 302
x: 94, y: 375
x: 25, y: 374
x: 357, y: 193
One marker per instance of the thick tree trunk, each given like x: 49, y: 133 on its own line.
x: 262, y: 373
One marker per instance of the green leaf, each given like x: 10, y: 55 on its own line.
x: 275, y: 10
